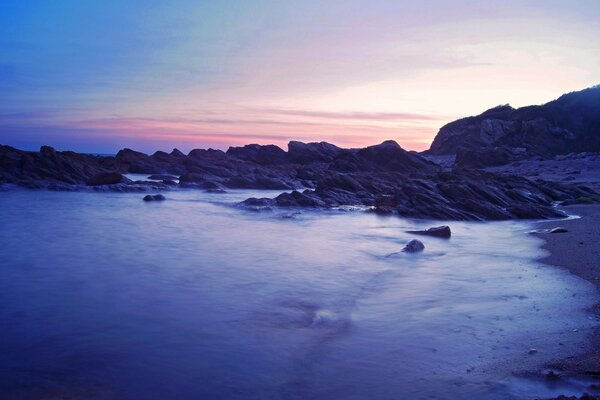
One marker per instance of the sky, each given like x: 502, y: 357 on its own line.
x: 98, y: 76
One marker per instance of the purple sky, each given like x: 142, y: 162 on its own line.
x: 99, y: 76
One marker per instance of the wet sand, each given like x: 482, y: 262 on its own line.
x: 578, y: 250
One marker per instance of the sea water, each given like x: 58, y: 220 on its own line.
x: 104, y: 296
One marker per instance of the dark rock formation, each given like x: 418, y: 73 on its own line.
x: 414, y: 246
x: 154, y: 197
x: 263, y: 155
x: 105, y: 178
x: 569, y: 124
x: 383, y: 177
x: 49, y: 166
x: 306, y: 153
x: 558, y: 230
x: 162, y: 177
x: 437, y: 231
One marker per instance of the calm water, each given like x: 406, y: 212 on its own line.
x: 103, y: 296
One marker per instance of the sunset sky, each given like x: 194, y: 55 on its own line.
x: 98, y: 76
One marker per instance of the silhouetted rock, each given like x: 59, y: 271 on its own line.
x: 384, y: 177
x: 47, y: 150
x: 389, y: 156
x: 177, y: 153
x: 306, y: 153
x: 436, y: 231
x: 263, y: 155
x: 569, y: 124
x: 105, y: 178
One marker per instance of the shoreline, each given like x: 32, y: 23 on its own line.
x: 577, y: 251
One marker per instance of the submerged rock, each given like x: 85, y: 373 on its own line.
x: 154, y: 197
x: 558, y: 230
x: 436, y: 231
x: 414, y: 246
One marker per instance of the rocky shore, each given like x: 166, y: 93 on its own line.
x: 384, y: 177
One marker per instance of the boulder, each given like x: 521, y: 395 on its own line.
x: 105, y: 178
x: 436, y: 231
x: 297, y: 199
x: 558, y: 230
x: 154, y: 197
x: 414, y: 246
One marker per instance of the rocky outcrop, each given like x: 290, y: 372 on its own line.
x: 458, y: 195
x: 263, y: 155
x: 436, y: 231
x: 383, y: 177
x: 106, y: 178
x: 306, y: 153
x: 49, y: 166
x: 569, y: 124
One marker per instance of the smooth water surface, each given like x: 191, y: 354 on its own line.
x: 104, y: 296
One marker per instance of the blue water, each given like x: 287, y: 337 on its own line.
x: 104, y: 296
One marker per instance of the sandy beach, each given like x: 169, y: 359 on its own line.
x: 578, y: 250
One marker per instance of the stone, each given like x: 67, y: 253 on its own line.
x: 154, y: 197
x: 436, y: 231
x: 414, y: 246
x: 162, y: 177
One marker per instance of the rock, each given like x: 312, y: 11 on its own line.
x: 259, y: 202
x: 558, y: 230
x: 162, y: 177
x: 306, y: 153
x: 154, y: 197
x: 47, y: 150
x: 177, y: 153
x: 297, y: 199
x: 383, y: 177
x: 568, y: 124
x: 414, y: 246
x: 263, y: 155
x: 436, y: 231
x: 192, y: 178
x: 105, y: 178
x: 483, y: 157
x: 389, y: 156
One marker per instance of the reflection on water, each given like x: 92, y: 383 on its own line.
x: 104, y: 296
